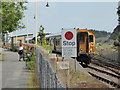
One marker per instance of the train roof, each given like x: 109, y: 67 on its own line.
x: 59, y: 33
x: 80, y: 30
x: 54, y: 35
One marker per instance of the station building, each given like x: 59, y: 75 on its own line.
x: 23, y: 38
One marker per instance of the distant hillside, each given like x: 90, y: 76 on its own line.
x: 101, y: 34
x: 114, y: 35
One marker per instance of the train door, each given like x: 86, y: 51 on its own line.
x: 82, y: 42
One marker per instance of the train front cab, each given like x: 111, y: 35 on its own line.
x: 85, y: 46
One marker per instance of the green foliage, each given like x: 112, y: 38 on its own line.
x: 118, y: 11
x: 99, y: 34
x: 99, y: 44
x: 14, y: 49
x: 31, y: 64
x: 118, y: 38
x: 41, y: 34
x: 11, y: 14
x: 46, y: 46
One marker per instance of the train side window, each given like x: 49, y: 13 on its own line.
x: 90, y: 38
x: 56, y: 42
x: 82, y: 38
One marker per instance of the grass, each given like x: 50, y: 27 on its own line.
x: 81, y: 80
x: 107, y: 51
x: 46, y: 46
x: 31, y: 64
x: 33, y: 81
x: 77, y: 76
x: 105, y: 48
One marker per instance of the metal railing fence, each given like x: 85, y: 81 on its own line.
x: 48, y: 77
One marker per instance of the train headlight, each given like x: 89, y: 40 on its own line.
x: 90, y: 50
x: 81, y: 49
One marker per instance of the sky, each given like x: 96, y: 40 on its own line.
x: 67, y: 15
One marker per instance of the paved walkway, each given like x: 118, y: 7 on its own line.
x: 14, y: 73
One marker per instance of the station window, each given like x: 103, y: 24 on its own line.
x: 90, y: 38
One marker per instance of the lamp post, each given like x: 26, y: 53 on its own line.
x: 27, y: 27
x: 36, y: 23
x: 47, y: 5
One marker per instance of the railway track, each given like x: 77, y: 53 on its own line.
x: 106, y: 63
x: 109, y: 66
x: 105, y: 72
x: 109, y: 76
x: 112, y: 83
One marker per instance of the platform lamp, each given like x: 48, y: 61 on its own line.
x: 47, y: 5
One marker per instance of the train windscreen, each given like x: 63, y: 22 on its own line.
x: 82, y: 39
x: 90, y: 38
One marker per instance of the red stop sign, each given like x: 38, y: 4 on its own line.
x: 68, y: 35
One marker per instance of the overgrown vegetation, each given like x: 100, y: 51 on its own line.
x: 81, y: 80
x: 118, y: 38
x: 46, y: 45
x: 33, y: 81
x: 32, y: 63
x: 42, y: 41
x: 14, y: 49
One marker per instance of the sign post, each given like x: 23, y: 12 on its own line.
x: 69, y: 47
x: 69, y: 44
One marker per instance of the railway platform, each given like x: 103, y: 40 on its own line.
x: 14, y: 73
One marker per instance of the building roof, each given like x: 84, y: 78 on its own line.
x: 21, y: 35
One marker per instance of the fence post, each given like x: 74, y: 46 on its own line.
x: 48, y: 78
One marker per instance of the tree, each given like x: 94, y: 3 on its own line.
x: 118, y: 37
x: 41, y: 34
x: 118, y: 11
x: 119, y: 48
x: 11, y: 14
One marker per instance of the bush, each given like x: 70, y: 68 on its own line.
x: 14, y: 49
x: 118, y: 37
x: 46, y: 46
x: 31, y: 64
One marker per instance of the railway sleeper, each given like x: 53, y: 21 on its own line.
x: 105, y: 72
x: 106, y: 67
x: 105, y: 80
x: 109, y: 64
